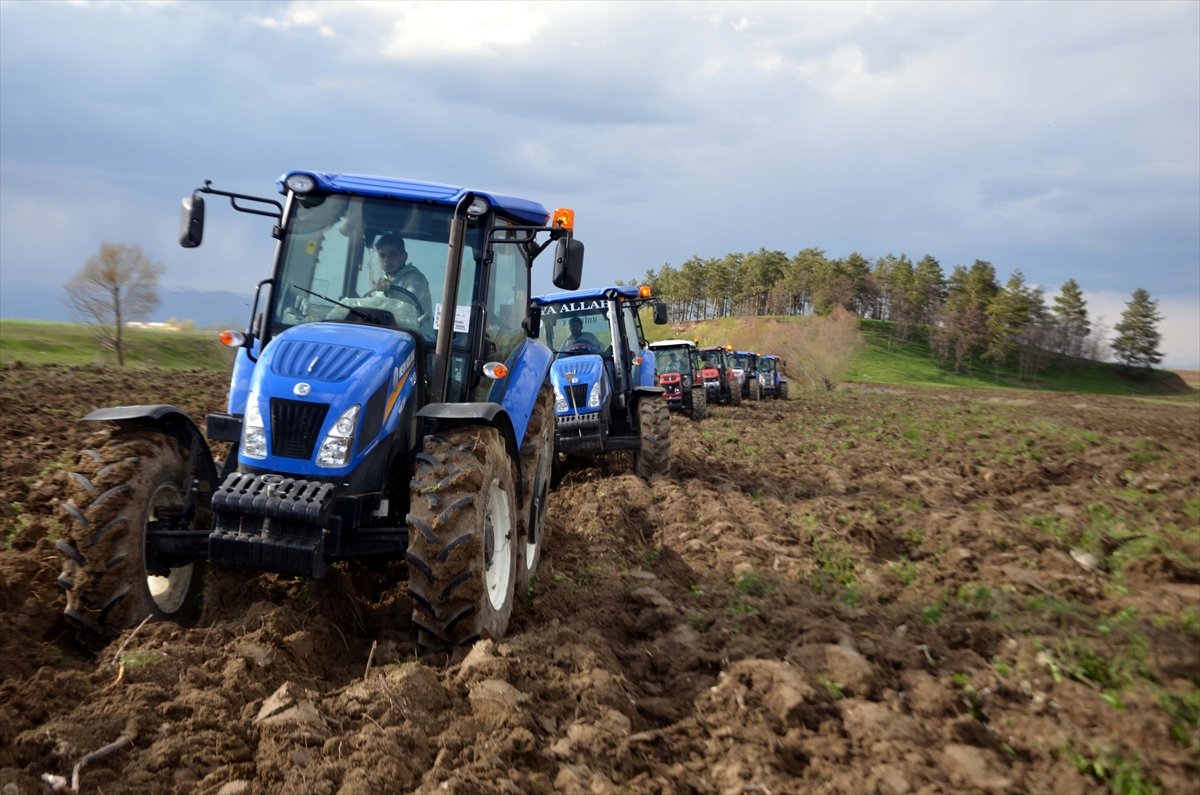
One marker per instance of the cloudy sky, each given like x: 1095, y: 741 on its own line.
x: 1058, y: 138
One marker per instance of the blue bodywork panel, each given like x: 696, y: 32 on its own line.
x: 527, y: 211
x: 326, y: 364
x: 518, y: 391
x: 574, y: 378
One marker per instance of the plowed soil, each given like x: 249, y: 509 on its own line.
x: 864, y: 591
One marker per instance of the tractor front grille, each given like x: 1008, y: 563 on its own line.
x: 577, y: 395
x: 294, y: 427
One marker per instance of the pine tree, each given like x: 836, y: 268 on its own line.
x: 1071, y: 315
x: 1136, y: 343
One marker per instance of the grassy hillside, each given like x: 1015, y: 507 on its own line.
x: 877, y: 359
x: 37, y: 342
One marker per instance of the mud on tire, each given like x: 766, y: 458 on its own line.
x: 462, y: 538
x: 537, y: 462
x: 783, y: 390
x: 699, y: 404
x: 735, y: 394
x: 114, y: 490
x: 755, y: 390
x: 653, y: 456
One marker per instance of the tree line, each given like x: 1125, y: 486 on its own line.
x: 968, y: 318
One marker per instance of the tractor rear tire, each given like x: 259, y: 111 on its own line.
x: 537, y: 463
x: 783, y: 390
x: 699, y: 404
x: 462, y: 538
x: 653, y: 456
x: 113, y: 492
x: 755, y: 390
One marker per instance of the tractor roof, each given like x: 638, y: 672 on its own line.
x: 594, y: 294
x: 767, y: 356
x: 524, y: 210
x: 671, y: 344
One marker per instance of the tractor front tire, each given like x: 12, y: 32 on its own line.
x: 114, y: 491
x: 537, y: 464
x: 699, y: 404
x: 783, y: 395
x: 735, y: 395
x: 755, y: 390
x: 653, y: 456
x: 462, y: 538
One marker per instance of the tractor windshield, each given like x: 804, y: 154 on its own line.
x: 571, y: 331
x: 766, y: 365
x: 370, y: 260
x: 672, y: 360
x: 740, y: 361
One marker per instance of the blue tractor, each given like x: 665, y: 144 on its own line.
x: 605, y: 394
x: 387, y: 402
x: 770, y: 378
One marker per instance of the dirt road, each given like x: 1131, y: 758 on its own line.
x: 868, y: 591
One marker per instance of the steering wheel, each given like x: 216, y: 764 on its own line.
x: 396, y: 291
x: 579, y: 346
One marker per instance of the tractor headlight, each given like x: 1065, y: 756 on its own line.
x: 594, y: 396
x: 560, y: 402
x: 254, y: 436
x: 335, y: 450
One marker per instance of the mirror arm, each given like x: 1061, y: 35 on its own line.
x: 233, y: 201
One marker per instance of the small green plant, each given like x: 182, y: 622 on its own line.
x: 133, y: 660
x: 1122, y: 775
x: 836, y: 690
x: 1002, y: 666
x: 652, y: 555
x: 932, y: 613
x: 906, y: 571
x: 753, y: 583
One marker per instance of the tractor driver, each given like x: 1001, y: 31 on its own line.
x: 579, y: 335
x: 399, y: 272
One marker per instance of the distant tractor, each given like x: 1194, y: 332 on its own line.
x: 677, y: 363
x: 720, y: 382
x: 605, y: 395
x: 387, y: 403
x: 770, y: 378
x: 744, y: 368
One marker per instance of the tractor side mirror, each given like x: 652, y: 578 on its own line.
x: 533, y: 323
x: 191, y: 221
x: 568, y: 263
x: 660, y: 313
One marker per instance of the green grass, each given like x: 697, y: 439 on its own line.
x: 37, y: 342
x: 885, y: 361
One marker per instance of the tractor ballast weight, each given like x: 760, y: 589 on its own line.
x: 770, y: 377
x: 677, y: 364
x: 605, y: 393
x: 716, y: 373
x: 367, y: 419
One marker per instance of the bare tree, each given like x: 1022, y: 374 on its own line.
x: 117, y: 284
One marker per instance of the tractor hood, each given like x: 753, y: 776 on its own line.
x: 581, y: 384
x: 322, y: 395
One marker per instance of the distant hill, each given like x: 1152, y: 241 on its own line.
x: 205, y: 308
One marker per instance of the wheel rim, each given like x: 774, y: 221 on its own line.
x: 497, y: 529
x: 169, y: 592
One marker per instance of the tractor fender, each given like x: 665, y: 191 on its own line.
x: 439, y: 416
x: 640, y: 392
x: 174, y: 423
